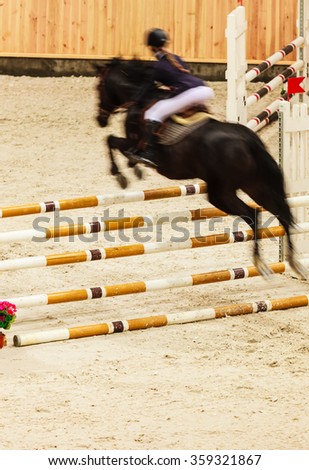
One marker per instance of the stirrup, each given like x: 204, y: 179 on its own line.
x: 130, y: 152
x: 135, y: 158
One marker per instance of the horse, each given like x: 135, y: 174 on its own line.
x: 227, y: 156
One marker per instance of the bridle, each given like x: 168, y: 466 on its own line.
x: 108, y: 108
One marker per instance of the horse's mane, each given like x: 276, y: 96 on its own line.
x: 132, y: 75
x: 135, y: 69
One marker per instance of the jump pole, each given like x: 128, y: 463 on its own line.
x: 134, y: 249
x: 101, y: 200
x: 273, y: 59
x: 124, y: 223
x: 271, y: 113
x: 61, y: 334
x: 144, y: 286
x: 273, y: 84
x: 268, y: 115
x: 238, y: 78
x: 109, y: 225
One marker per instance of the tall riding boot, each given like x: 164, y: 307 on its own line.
x: 148, y: 155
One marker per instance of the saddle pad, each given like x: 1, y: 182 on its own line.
x: 188, y: 121
x: 174, y: 133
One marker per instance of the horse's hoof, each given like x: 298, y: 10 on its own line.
x: 122, y: 180
x: 300, y: 269
x: 265, y: 271
x: 114, y: 170
x: 138, y: 172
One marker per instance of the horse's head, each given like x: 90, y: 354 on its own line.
x: 106, y: 99
x: 119, y: 81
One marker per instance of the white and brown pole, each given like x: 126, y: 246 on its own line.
x: 139, y: 287
x: 141, y: 249
x: 61, y: 334
x: 104, y: 199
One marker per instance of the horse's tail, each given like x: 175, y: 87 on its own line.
x: 270, y: 172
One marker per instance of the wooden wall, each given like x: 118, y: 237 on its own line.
x: 108, y: 28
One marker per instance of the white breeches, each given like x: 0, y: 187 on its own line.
x: 161, y: 110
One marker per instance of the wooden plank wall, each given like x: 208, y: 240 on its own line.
x: 108, y: 28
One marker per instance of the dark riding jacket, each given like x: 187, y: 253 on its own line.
x: 168, y: 74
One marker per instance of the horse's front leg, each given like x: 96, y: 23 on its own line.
x: 122, y: 144
x: 115, y: 143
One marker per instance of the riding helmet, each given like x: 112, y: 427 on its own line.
x: 157, y: 37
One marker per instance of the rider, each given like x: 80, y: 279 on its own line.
x: 187, y: 90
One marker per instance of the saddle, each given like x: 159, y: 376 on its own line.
x: 178, y: 126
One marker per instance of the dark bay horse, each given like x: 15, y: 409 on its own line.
x: 227, y: 156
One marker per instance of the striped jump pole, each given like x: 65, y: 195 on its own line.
x: 268, y: 115
x: 134, y: 249
x: 120, y: 326
x: 139, y: 287
x: 271, y: 113
x: 124, y: 251
x: 277, y: 81
x: 106, y: 225
x: 237, y: 75
x: 100, y: 200
x: 273, y: 59
x: 114, y: 224
x: 139, y: 249
x: 265, y: 121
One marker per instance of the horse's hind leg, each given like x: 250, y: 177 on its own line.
x: 228, y: 201
x: 295, y: 264
x: 277, y: 205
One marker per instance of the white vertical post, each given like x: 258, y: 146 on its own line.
x: 236, y: 66
x: 294, y: 145
x: 303, y: 145
x: 294, y: 161
x: 303, y: 52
